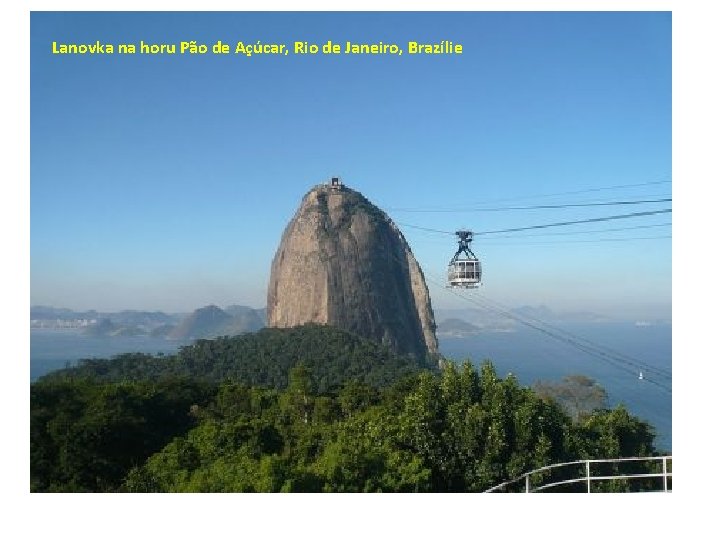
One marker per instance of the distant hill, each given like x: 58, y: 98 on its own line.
x: 107, y: 328
x: 104, y: 327
x: 132, y: 330
x: 457, y: 328
x: 263, y: 358
x: 49, y: 312
x: 211, y: 321
x: 246, y: 319
x: 545, y: 314
x: 205, y: 322
x: 127, y: 317
x: 142, y: 318
x: 162, y: 330
x: 236, y: 310
x: 495, y: 322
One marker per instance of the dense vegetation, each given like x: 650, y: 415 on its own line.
x: 317, y: 429
x: 261, y: 359
x: 85, y: 435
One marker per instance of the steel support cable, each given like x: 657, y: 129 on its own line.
x: 565, y: 336
x: 534, y: 207
x: 548, y: 225
x: 588, y: 347
x: 596, y: 231
x: 547, y: 332
x: 578, y: 345
x: 575, y: 192
x: 589, y: 220
x: 542, y: 235
x: 607, y: 350
x: 601, y: 349
x: 544, y: 330
x: 588, y: 241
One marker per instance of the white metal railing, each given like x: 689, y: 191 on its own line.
x: 588, y: 478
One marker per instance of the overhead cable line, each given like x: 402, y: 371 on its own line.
x: 607, y: 350
x: 606, y: 188
x: 535, y: 207
x: 534, y: 322
x: 545, y: 234
x: 587, y: 241
x: 548, y: 225
x: 588, y: 190
x: 596, y: 231
x: 588, y: 220
x: 601, y: 352
x: 576, y: 192
x: 564, y: 335
x: 579, y: 343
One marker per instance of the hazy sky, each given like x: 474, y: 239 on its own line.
x: 165, y: 182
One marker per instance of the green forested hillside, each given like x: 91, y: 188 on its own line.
x: 345, y: 415
x: 261, y: 359
x: 85, y: 436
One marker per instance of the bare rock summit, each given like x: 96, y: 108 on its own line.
x: 343, y: 262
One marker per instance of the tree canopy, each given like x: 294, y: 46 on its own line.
x: 264, y: 359
x: 309, y: 409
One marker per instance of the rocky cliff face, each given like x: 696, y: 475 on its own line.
x: 343, y: 262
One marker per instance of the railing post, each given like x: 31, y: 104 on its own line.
x: 587, y: 472
x: 665, y: 474
x: 527, y: 483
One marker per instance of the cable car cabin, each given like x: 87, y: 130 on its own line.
x: 464, y: 272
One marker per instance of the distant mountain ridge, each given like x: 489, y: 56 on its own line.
x: 493, y: 322
x: 206, y: 322
x: 120, y: 317
x: 203, y: 322
x: 106, y: 328
x: 457, y: 328
x: 211, y: 321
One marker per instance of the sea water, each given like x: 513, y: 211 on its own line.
x: 56, y: 349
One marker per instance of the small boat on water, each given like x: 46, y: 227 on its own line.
x: 640, y: 376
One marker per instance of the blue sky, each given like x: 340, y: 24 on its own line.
x: 165, y: 182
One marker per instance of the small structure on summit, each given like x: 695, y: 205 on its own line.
x: 343, y: 262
